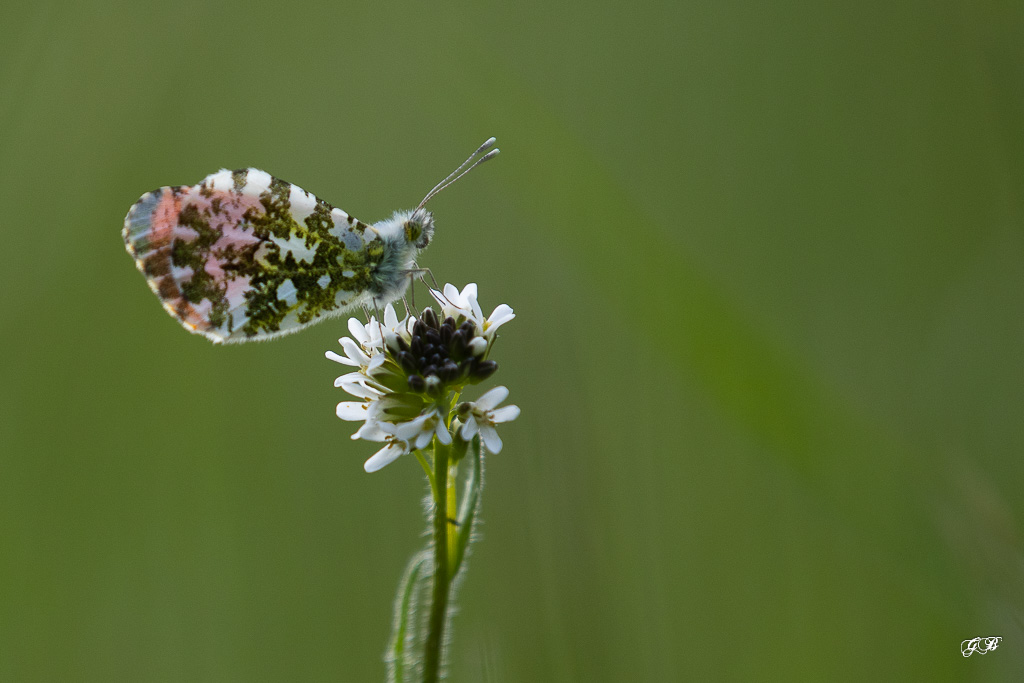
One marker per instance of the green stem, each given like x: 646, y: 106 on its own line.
x: 439, y: 603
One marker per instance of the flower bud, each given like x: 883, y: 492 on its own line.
x: 429, y: 318
x: 406, y: 360
x: 434, y: 385
x: 484, y: 370
x: 393, y: 342
x: 458, y: 344
x: 478, y: 346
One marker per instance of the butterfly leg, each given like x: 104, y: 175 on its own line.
x: 380, y: 318
x: 413, y: 272
x: 409, y: 310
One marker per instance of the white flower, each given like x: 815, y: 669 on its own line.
x: 403, y: 437
x: 371, y: 335
x: 354, y: 357
x: 499, y: 316
x: 455, y: 303
x: 484, y: 414
x: 370, y: 431
x: 406, y: 370
x: 361, y: 386
x: 394, y: 449
x: 422, y: 429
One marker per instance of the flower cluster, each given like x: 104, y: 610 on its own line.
x: 411, y: 372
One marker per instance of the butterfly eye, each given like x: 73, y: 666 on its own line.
x: 413, y: 231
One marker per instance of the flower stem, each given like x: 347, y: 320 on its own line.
x: 453, y: 527
x: 439, y: 602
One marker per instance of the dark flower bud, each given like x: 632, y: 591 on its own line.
x: 457, y: 345
x: 449, y: 371
x: 463, y: 408
x: 446, y: 335
x: 406, y: 360
x: 450, y: 322
x: 417, y: 383
x: 433, y: 336
x: 418, y: 328
x: 429, y: 318
x: 430, y: 370
x: 485, y: 369
x: 468, y: 329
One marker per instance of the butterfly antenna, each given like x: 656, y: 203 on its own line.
x: 458, y: 173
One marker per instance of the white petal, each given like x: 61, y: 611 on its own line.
x: 364, y: 387
x: 390, y: 317
x: 501, y: 315
x: 443, y: 435
x: 407, y: 430
x: 490, y: 438
x: 469, y: 429
x: 350, y: 378
x: 469, y: 291
x: 352, y: 410
x: 370, y: 431
x: 340, y: 359
x: 491, y: 399
x: 423, y: 439
x: 501, y: 311
x: 373, y: 336
x: 353, y: 351
x: 375, y: 362
x: 451, y: 293
x: 505, y: 414
x: 360, y: 390
x: 357, y: 330
x: 474, y: 306
x: 384, y: 456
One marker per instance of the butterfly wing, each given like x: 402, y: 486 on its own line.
x: 244, y: 256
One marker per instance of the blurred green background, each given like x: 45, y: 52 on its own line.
x: 767, y: 262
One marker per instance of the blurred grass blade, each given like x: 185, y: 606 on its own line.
x: 470, y: 504
x: 403, y: 654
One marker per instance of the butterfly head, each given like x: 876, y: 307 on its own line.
x: 419, y: 228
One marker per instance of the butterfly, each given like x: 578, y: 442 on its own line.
x: 244, y: 256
